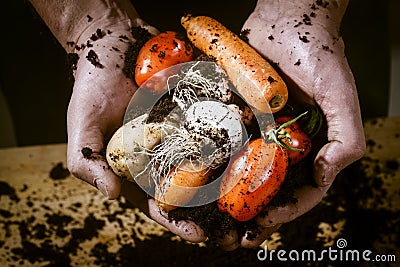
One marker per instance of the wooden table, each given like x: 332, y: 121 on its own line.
x: 62, y: 221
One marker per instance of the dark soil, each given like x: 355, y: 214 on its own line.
x: 58, y: 172
x: 87, y: 152
x: 141, y: 36
x: 93, y: 58
x: 161, y: 109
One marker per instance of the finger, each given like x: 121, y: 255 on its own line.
x: 336, y: 155
x: 229, y: 241
x: 87, y: 163
x: 254, y: 238
x: 307, y: 198
x: 346, y: 141
x: 187, y: 230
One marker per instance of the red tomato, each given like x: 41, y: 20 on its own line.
x: 252, y: 179
x: 160, y: 52
x: 294, y: 138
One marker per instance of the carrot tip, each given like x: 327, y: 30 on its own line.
x: 277, y: 102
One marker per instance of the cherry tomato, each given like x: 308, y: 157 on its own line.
x: 160, y: 52
x: 252, y: 179
x: 298, y: 143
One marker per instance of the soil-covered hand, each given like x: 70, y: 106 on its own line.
x: 100, y: 96
x: 303, y: 39
x: 101, y: 93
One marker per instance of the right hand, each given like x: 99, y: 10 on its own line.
x: 303, y: 39
x: 311, y: 54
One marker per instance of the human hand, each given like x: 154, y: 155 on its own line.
x: 302, y: 38
x: 100, y: 96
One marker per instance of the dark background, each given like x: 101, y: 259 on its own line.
x: 36, y: 82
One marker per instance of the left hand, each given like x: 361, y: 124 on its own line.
x: 100, y: 96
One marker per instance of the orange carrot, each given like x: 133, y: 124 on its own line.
x: 255, y: 79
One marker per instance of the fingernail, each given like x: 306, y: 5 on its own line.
x: 322, y: 174
x: 102, y: 187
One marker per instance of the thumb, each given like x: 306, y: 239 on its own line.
x: 332, y: 158
x: 346, y: 140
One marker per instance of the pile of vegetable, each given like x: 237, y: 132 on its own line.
x: 209, y: 131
